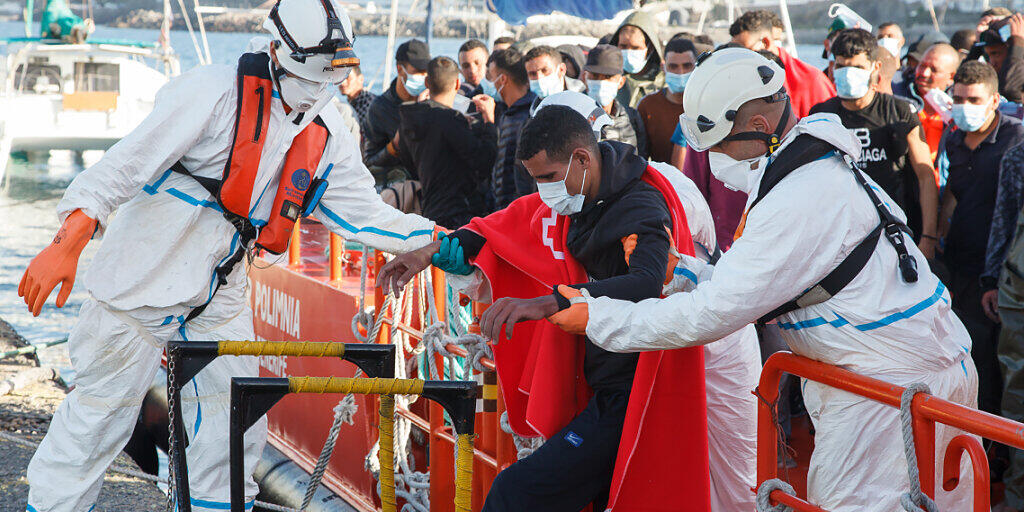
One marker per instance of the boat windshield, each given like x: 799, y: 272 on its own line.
x: 37, y: 78
x: 97, y: 77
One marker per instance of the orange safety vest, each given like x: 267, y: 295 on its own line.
x: 253, y: 115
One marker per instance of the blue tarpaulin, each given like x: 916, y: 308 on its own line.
x: 516, y: 11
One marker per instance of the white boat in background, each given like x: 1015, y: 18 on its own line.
x: 56, y: 95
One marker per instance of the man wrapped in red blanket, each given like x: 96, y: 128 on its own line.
x: 624, y: 432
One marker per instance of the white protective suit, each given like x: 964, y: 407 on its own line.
x: 157, y: 262
x: 878, y: 325
x: 732, y: 367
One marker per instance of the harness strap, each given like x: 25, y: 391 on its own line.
x: 806, y: 149
x: 834, y: 281
x: 246, y: 233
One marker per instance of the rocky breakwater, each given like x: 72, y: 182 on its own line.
x: 29, y: 395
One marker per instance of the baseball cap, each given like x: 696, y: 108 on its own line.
x: 604, y: 59
x: 415, y: 52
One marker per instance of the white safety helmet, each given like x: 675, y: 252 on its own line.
x: 312, y: 39
x: 581, y: 103
x: 719, y: 85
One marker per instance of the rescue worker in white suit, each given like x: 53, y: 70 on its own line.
x: 218, y: 144
x: 732, y: 366
x: 888, y: 321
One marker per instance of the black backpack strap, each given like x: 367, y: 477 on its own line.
x: 803, y: 150
x: 212, y: 185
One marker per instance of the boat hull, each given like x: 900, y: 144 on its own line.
x: 292, y: 304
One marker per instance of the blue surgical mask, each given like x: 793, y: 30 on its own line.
x: 633, y: 61
x: 969, y: 117
x: 415, y: 84
x: 546, y: 85
x: 489, y: 89
x: 557, y: 197
x: 676, y: 82
x: 852, y: 83
x: 603, y: 91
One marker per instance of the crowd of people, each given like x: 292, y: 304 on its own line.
x: 938, y: 123
x: 674, y: 209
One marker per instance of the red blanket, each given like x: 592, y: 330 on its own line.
x: 807, y: 85
x: 540, y: 370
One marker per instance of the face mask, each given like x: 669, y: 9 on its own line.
x: 415, y: 84
x: 546, y: 85
x: 735, y: 174
x: 851, y: 82
x: 892, y: 44
x: 300, y: 95
x: 633, y: 61
x: 602, y: 91
x: 489, y: 89
x: 676, y: 82
x: 968, y: 117
x: 557, y: 197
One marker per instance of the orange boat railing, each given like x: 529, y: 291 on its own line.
x: 926, y: 410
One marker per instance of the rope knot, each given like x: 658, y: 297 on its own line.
x: 764, y: 491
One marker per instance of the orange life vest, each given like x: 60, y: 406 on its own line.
x: 255, y: 87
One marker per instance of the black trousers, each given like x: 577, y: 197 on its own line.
x: 966, y: 293
x: 569, y: 471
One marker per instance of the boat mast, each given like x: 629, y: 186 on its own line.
x: 430, y: 21
x: 389, y: 54
x: 790, y: 37
x: 29, y: 7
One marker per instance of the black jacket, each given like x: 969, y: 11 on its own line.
x: 449, y: 156
x: 624, y: 205
x: 509, y: 178
x: 1011, y: 76
x: 381, y: 126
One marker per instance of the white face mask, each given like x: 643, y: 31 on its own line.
x: 735, y: 174
x: 557, y: 197
x: 301, y: 95
x: 603, y: 91
x: 546, y: 85
x: 892, y: 44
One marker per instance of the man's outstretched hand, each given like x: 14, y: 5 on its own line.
x: 398, y: 272
x: 508, y: 311
x: 57, y: 263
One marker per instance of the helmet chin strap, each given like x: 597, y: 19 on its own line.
x: 772, y: 140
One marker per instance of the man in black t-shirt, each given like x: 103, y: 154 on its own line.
x: 894, y: 152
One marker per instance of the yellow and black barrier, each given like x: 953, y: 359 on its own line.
x: 185, y: 359
x: 252, y: 397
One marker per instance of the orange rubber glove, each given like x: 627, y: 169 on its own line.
x: 57, y: 263
x: 572, y: 319
x: 629, y: 245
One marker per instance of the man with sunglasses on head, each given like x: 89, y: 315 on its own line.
x: 227, y: 161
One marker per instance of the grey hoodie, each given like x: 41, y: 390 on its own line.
x: 651, y: 78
